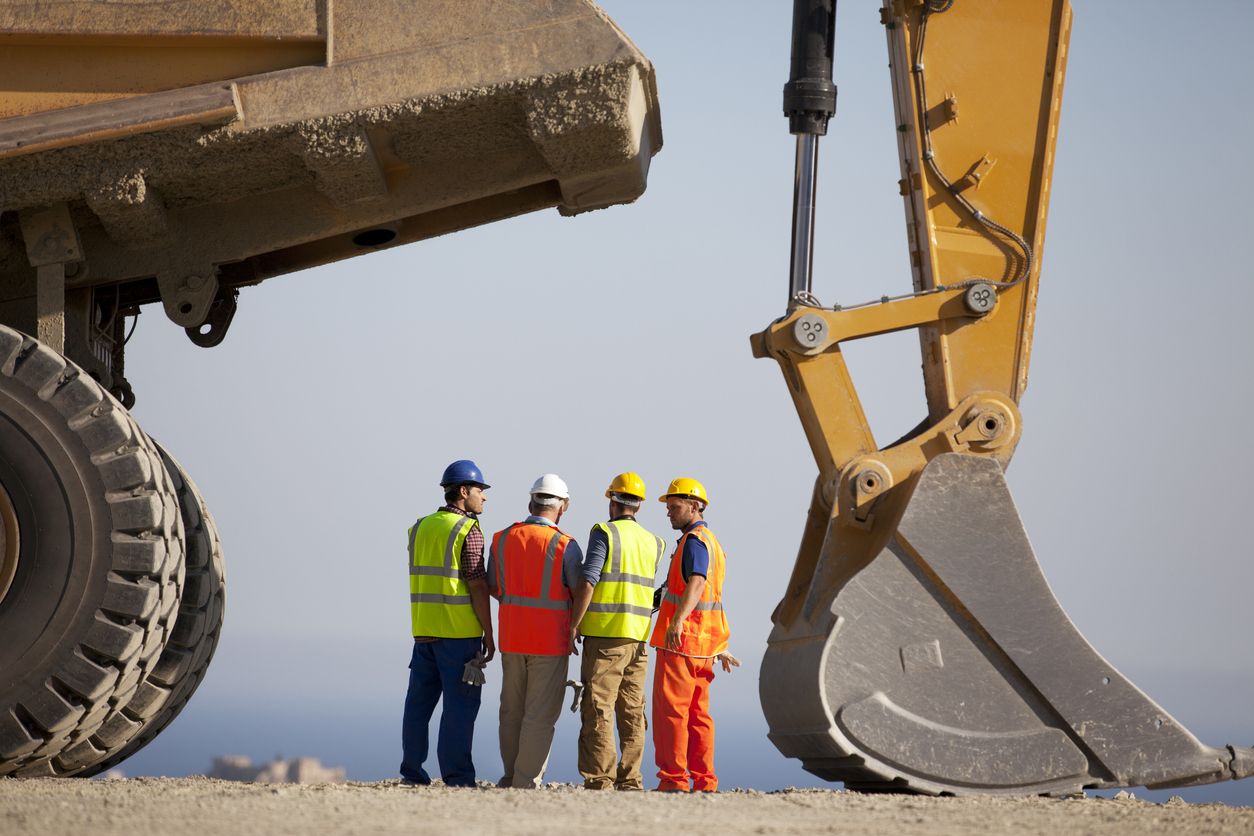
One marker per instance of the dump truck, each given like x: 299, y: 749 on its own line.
x: 174, y: 152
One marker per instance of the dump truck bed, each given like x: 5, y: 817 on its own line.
x: 245, y: 140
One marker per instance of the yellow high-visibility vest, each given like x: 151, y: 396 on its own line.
x: 439, y: 600
x: 622, y: 600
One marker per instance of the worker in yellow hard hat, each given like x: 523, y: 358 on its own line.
x: 612, y: 610
x: 690, y: 634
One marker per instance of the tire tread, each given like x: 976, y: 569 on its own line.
x: 186, y: 656
x: 52, y: 729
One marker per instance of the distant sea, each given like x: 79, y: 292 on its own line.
x: 365, y: 740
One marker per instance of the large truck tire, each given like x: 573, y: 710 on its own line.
x: 187, y: 654
x: 91, y: 563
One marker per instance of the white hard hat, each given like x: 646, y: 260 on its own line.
x: 551, y: 484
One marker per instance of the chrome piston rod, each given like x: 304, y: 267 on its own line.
x: 809, y: 102
x: 805, y: 187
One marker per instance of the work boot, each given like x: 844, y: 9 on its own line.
x: 669, y: 787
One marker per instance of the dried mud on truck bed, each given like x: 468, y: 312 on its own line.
x: 208, y: 807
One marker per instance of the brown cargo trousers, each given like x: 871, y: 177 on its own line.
x: 614, y: 674
x: 532, y: 688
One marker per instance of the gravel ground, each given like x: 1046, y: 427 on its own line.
x: 207, y: 807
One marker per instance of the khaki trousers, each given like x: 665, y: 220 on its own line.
x: 614, y: 674
x: 532, y: 688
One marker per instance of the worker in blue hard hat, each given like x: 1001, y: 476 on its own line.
x: 452, y: 628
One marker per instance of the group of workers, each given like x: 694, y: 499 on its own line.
x: 552, y: 598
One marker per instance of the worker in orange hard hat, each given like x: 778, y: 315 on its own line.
x: 690, y: 635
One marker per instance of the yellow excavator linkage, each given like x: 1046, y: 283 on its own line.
x: 918, y: 645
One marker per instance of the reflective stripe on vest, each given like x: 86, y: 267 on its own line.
x: 439, y: 601
x: 622, y: 600
x: 705, y: 631
x: 703, y: 606
x: 535, y: 605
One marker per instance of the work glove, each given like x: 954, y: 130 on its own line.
x: 472, y: 674
x: 577, y: 687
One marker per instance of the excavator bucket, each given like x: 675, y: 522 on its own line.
x: 918, y: 646
x: 949, y: 667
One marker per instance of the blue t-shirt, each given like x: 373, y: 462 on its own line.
x: 696, y: 557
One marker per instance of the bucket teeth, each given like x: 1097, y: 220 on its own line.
x: 1242, y: 763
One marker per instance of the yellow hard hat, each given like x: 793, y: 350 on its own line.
x: 687, y: 489
x: 629, y: 483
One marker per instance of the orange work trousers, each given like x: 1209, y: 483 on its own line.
x: 683, y: 731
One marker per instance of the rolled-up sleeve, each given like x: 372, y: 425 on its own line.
x: 572, y: 564
x: 598, y: 550
x: 471, y: 563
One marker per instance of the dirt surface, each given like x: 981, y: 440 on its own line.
x: 207, y: 807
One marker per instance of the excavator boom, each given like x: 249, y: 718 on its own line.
x: 918, y: 645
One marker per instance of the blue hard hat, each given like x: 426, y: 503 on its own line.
x: 463, y: 472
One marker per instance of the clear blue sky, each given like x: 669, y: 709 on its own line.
x: 317, y: 431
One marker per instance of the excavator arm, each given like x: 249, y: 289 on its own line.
x: 918, y: 645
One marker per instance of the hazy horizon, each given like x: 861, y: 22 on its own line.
x: 367, y: 744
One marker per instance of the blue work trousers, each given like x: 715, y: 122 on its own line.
x: 435, y: 670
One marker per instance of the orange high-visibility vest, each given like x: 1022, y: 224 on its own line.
x: 704, y: 632
x: 527, y: 575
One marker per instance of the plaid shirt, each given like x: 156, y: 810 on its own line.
x: 472, y: 549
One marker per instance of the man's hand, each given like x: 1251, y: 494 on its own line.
x: 687, y: 603
x: 728, y: 661
x: 674, y: 632
x: 478, y: 588
x: 581, y: 598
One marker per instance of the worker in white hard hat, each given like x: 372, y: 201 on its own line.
x: 532, y: 567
